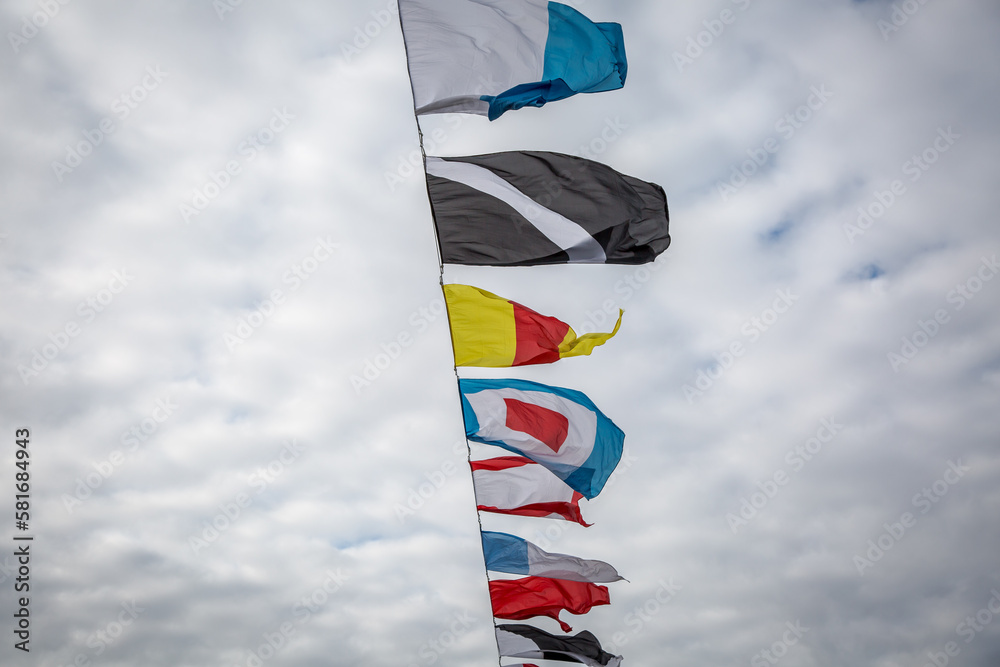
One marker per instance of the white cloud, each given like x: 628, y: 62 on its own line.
x: 333, y: 508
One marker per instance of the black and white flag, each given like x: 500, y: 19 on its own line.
x: 526, y: 208
x: 525, y: 641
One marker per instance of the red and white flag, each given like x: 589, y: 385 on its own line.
x: 518, y: 485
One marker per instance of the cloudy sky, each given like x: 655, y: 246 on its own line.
x: 213, y: 241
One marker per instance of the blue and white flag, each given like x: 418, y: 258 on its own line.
x: 515, y: 555
x: 560, y: 429
x: 490, y: 56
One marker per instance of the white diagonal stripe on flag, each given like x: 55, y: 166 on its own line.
x: 569, y: 236
x: 513, y: 645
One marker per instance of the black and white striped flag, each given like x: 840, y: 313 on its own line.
x: 526, y: 208
x: 525, y: 641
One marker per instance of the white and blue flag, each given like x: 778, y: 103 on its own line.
x: 490, y: 56
x: 515, y: 555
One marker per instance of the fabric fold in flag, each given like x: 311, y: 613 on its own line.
x: 519, y: 486
x: 520, y: 599
x: 488, y: 57
x: 493, y: 332
x: 527, y: 208
x: 514, y: 555
x: 525, y: 641
x: 558, y: 428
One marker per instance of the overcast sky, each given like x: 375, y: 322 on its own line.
x: 220, y: 306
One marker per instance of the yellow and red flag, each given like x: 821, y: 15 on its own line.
x: 490, y: 331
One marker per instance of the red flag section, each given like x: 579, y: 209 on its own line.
x: 540, y: 423
x: 517, y: 485
x: 519, y: 599
x: 538, y: 336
